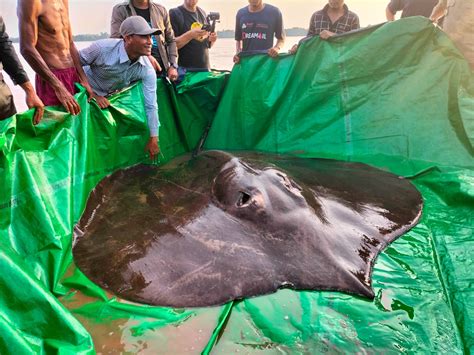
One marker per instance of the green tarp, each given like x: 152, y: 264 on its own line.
x: 398, y: 96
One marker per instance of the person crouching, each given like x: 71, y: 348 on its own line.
x: 114, y: 64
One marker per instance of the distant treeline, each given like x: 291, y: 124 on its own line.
x: 290, y: 32
x: 89, y: 38
x: 79, y: 38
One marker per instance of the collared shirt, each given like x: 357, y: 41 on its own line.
x: 8, y: 58
x: 108, y: 68
x: 320, y: 21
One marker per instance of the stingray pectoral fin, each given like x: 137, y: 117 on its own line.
x: 337, y: 279
x: 360, y: 286
x: 208, y: 261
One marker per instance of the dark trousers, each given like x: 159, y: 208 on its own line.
x: 7, y: 107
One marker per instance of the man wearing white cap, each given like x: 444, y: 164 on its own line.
x: 114, y: 64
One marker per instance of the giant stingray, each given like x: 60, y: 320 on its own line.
x: 204, y: 231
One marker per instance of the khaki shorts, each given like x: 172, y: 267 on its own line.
x: 7, y: 107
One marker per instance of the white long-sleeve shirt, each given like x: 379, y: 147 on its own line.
x: 109, y: 69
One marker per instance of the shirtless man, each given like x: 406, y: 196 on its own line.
x: 46, y: 44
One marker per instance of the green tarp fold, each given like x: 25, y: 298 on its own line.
x: 398, y: 96
x: 389, y: 90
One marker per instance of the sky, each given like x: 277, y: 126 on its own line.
x: 93, y: 16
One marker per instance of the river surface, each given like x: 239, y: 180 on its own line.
x: 221, y: 58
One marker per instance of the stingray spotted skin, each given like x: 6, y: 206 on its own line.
x: 205, y: 231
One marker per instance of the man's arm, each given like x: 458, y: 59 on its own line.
x: 184, y: 37
x: 13, y: 67
x: 280, y: 43
x: 238, y: 49
x: 355, y: 25
x: 389, y: 15
x: 212, y: 39
x: 439, y: 10
x: 28, y: 13
x: 187, y: 37
x: 172, y: 48
x: 101, y: 101
x: 170, y: 40
x: 273, y: 52
x: 280, y: 35
x: 238, y: 39
x: 312, y: 26
x: 151, y: 109
x: 9, y: 59
x: 392, y: 8
x: 33, y: 101
x: 88, y: 56
x: 118, y: 16
x: 311, y: 32
x: 212, y: 36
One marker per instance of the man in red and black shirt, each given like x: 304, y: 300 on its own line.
x: 334, y: 18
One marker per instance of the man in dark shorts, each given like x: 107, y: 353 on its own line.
x: 193, y: 42
x: 334, y: 18
x: 164, y: 45
x: 9, y: 61
x: 46, y: 44
x: 255, y: 27
x: 409, y: 8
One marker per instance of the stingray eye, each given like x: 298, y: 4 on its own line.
x: 285, y: 181
x: 244, y: 199
x: 288, y: 183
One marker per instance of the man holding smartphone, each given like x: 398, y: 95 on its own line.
x: 192, y: 39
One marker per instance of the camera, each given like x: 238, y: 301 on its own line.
x: 212, y: 18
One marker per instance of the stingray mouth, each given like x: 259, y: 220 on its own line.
x: 242, y: 188
x: 234, y: 189
x: 243, y: 199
